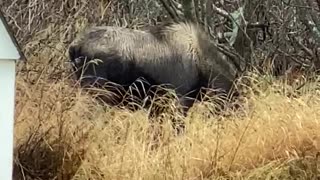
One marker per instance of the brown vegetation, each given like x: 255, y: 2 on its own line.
x: 61, y: 132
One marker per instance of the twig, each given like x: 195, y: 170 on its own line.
x: 174, y: 15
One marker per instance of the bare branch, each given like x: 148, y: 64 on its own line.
x: 172, y: 12
x: 315, y: 19
x: 187, y: 10
x: 303, y: 47
x: 221, y: 12
x: 233, y: 55
x: 196, y: 10
x: 294, y: 59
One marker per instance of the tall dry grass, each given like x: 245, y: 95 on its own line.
x: 62, y: 133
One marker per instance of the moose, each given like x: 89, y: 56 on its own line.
x: 180, y: 54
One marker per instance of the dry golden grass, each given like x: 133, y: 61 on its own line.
x: 62, y: 133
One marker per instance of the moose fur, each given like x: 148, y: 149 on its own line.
x: 179, y: 54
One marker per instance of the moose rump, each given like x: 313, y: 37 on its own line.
x: 180, y: 55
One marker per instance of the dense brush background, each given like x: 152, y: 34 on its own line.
x: 61, y: 132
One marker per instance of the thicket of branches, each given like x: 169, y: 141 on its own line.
x: 268, y: 35
x: 265, y: 34
x: 253, y: 32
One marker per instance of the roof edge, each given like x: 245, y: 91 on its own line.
x: 13, y: 38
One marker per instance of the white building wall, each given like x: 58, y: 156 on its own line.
x: 7, y: 102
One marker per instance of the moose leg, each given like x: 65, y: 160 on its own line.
x: 186, y: 103
x: 178, y: 121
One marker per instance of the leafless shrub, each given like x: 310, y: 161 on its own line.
x: 50, y: 144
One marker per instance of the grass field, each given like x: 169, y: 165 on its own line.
x: 62, y: 133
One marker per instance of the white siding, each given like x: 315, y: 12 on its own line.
x: 7, y: 48
x: 7, y: 98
